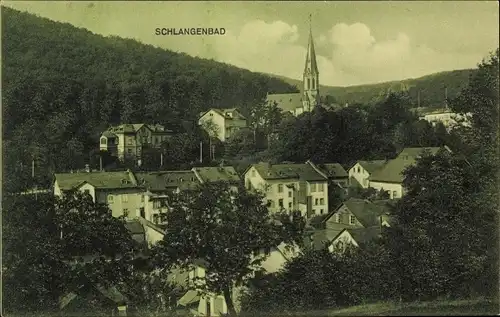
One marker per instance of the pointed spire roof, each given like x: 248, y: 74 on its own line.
x: 311, y: 53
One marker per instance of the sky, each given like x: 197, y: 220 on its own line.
x: 356, y: 42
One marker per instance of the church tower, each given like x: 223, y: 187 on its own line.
x: 310, y: 96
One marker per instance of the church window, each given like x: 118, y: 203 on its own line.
x: 308, y: 83
x: 313, y: 84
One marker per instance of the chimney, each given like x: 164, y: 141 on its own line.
x: 87, y: 168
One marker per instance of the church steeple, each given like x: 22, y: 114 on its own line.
x: 311, y: 75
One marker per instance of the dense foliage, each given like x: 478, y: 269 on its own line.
x: 223, y: 228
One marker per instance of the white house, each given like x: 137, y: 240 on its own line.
x: 390, y: 177
x: 361, y: 171
x: 290, y: 187
x: 222, y: 123
x: 448, y: 118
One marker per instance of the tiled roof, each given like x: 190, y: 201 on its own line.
x: 134, y: 226
x: 286, y: 102
x: 324, y: 237
x: 333, y: 170
x: 304, y: 172
x: 228, y: 113
x: 166, y: 180
x: 392, y: 172
x: 134, y: 127
x: 217, y: 174
x: 109, y: 134
x: 372, y: 166
x: 101, y: 180
x: 365, y: 211
x: 364, y: 235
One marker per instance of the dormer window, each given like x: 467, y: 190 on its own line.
x: 103, y: 141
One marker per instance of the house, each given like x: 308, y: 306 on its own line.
x: 447, y: 117
x: 361, y: 171
x: 93, y: 300
x: 222, y: 123
x: 290, y: 187
x: 126, y: 141
x: 276, y: 258
x: 119, y: 190
x: 215, y: 174
x: 308, y: 98
x: 390, y: 177
x: 137, y: 231
x: 357, y: 213
x: 333, y: 171
x: 357, y: 237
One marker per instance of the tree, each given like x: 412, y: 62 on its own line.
x: 223, y: 228
x: 38, y: 267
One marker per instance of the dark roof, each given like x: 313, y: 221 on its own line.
x: 304, y: 172
x: 333, y: 170
x: 365, y: 211
x: 109, y: 134
x: 372, y: 166
x: 217, y: 174
x: 134, y: 127
x: 120, y: 179
x: 166, y: 180
x: 134, y: 226
x: 311, y: 56
x: 324, y: 237
x: 392, y: 172
x: 364, y: 235
x: 286, y: 102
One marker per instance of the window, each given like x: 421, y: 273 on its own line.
x: 337, y: 218
x: 289, y: 205
x: 352, y: 220
x: 289, y: 194
x: 129, y: 151
x: 124, y: 199
x: 211, y: 114
x: 321, y: 201
x: 157, y: 140
x: 156, y: 204
x: 313, y: 83
x: 280, y: 188
x: 316, y: 201
x: 394, y: 194
x: 110, y: 198
x: 308, y: 83
x: 321, y: 211
x: 87, y: 192
x: 103, y: 141
x: 321, y: 187
x: 253, y: 173
x: 271, y: 203
x: 143, y: 213
x: 280, y: 203
x: 142, y: 198
x: 129, y: 141
x: 294, y: 200
x: 156, y: 218
x: 359, y: 169
x: 313, y: 187
x: 125, y: 212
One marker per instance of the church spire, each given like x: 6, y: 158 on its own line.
x: 311, y: 65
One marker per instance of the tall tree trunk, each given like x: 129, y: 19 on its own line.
x: 229, y: 302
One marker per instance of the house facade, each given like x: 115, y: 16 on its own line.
x: 290, y: 187
x: 390, y: 177
x: 127, y: 141
x: 119, y: 190
x: 359, y: 173
x: 222, y: 123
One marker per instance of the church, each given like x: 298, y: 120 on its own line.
x: 308, y: 98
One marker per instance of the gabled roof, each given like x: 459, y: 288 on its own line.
x: 364, y: 235
x: 100, y: 180
x: 304, y: 172
x: 365, y: 211
x: 324, y: 237
x: 372, y: 166
x: 166, y: 180
x: 227, y: 113
x: 286, y: 102
x: 134, y: 127
x: 333, y: 170
x: 217, y: 174
x: 392, y: 171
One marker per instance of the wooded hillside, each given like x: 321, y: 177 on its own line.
x: 63, y: 85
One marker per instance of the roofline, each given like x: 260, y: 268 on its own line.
x: 385, y: 182
x: 331, y: 213
x: 316, y: 168
x: 342, y: 231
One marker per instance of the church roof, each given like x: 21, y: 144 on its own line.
x: 311, y: 64
x: 287, y: 102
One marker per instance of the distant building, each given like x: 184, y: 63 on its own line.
x: 127, y: 141
x: 290, y: 187
x: 222, y: 123
x: 390, y: 176
x: 308, y: 98
x: 334, y: 172
x: 445, y: 116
